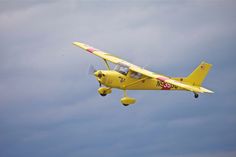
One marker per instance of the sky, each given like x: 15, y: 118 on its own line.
x: 49, y: 106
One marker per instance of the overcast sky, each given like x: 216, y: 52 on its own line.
x: 49, y: 106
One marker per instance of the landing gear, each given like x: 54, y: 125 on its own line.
x: 103, y: 94
x: 103, y: 91
x: 126, y: 101
x: 126, y: 104
x: 196, y: 95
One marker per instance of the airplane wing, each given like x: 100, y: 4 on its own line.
x: 99, y: 53
x: 140, y: 70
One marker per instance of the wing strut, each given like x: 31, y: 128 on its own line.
x: 107, y: 65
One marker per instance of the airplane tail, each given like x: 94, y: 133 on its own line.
x: 197, y: 76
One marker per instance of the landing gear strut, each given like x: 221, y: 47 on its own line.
x: 126, y: 101
x: 196, y: 95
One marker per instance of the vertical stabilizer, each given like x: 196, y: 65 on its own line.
x: 198, y: 75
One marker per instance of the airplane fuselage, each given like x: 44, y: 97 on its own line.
x: 114, y: 79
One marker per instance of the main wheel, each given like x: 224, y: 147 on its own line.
x: 126, y: 101
x: 126, y: 104
x: 103, y: 94
x: 196, y: 95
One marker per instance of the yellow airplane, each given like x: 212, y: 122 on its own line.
x: 127, y: 76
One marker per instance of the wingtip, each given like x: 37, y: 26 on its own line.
x: 206, y: 90
x: 75, y: 43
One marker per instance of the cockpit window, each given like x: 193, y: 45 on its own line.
x: 135, y: 75
x: 122, y: 69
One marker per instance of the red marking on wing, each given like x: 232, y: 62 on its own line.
x: 163, y: 78
x: 91, y: 49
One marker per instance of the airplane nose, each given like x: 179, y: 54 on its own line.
x: 98, y: 74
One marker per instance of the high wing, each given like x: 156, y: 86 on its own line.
x: 116, y: 60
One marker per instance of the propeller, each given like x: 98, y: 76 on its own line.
x: 91, y: 70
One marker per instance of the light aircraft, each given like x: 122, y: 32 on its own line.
x: 127, y: 76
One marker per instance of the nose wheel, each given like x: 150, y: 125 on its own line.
x: 103, y: 91
x: 103, y: 94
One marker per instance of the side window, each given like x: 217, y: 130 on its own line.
x: 135, y: 75
x: 117, y: 68
x: 124, y: 70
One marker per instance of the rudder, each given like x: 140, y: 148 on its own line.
x: 199, y: 74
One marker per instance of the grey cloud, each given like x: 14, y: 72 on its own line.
x: 50, y: 107
x: 8, y: 7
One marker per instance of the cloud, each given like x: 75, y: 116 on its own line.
x: 50, y: 107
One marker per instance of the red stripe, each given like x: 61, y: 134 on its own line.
x: 163, y: 78
x: 91, y: 50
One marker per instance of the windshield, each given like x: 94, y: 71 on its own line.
x: 122, y: 69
